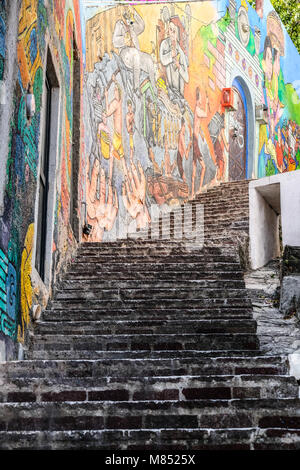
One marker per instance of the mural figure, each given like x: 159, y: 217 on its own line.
x: 134, y: 195
x: 101, y: 213
x: 130, y: 125
x: 125, y: 38
x: 200, y: 147
x: 183, y: 152
x: 174, y: 59
x: 114, y: 108
x: 219, y: 140
x: 105, y: 142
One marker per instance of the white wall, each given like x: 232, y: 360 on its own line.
x: 267, y: 197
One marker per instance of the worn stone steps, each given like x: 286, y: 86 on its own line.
x: 144, y: 342
x: 154, y: 440
x: 88, y: 314
x: 145, y: 326
x: 234, y: 302
x: 150, y: 363
x: 137, y: 295
x: 157, y: 275
x: 86, y: 284
x: 151, y: 344
x: 32, y: 389
x: 216, y: 414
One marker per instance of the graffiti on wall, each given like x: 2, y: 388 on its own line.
x: 17, y: 229
x: 8, y: 296
x: 154, y: 120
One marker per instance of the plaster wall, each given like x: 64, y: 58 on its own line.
x: 264, y: 207
x: 263, y: 229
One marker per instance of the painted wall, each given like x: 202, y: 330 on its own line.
x: 156, y: 132
x: 56, y: 24
x: 2, y: 35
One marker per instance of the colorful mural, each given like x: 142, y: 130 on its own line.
x: 153, y: 106
x: 59, y: 19
x: 279, y: 140
x: 156, y: 131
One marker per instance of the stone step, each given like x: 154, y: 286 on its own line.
x: 112, y: 314
x: 162, y: 304
x: 171, y: 275
x: 181, y: 388
x: 86, y: 284
x: 157, y: 293
x: 140, y: 261
x: 162, y: 440
x: 154, y: 267
x: 145, y: 342
x: 145, y: 326
x: 190, y: 261
x: 155, y: 363
x: 171, y: 414
x: 148, y: 256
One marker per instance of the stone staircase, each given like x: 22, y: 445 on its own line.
x: 151, y: 345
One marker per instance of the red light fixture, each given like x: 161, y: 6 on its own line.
x: 227, y: 98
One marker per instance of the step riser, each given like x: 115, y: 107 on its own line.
x: 147, y: 415
x: 145, y: 327
x: 149, y: 389
x: 146, y: 342
x: 155, y: 440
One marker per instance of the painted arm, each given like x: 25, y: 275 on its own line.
x: 165, y: 53
x: 119, y: 35
x: 139, y: 24
x: 183, y: 66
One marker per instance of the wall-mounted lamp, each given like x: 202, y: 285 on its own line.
x: 261, y: 113
x: 30, y: 102
x: 227, y: 99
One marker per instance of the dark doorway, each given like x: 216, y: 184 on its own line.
x: 49, y: 125
x: 43, y: 183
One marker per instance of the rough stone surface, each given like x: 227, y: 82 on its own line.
x: 153, y: 349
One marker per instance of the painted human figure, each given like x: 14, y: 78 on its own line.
x: 199, y: 144
x: 105, y: 141
x: 151, y: 121
x: 101, y: 214
x: 125, y: 39
x: 168, y: 167
x: 130, y: 124
x: 174, y: 59
x: 220, y: 142
x: 183, y: 151
x: 134, y: 195
x: 114, y: 108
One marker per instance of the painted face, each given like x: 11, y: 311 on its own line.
x: 173, y: 32
x: 268, y: 64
